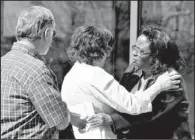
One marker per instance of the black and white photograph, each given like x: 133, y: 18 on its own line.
x: 97, y: 70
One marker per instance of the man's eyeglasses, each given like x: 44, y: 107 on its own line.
x: 136, y: 50
x: 54, y: 33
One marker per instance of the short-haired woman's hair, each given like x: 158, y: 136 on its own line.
x: 90, y: 43
x: 33, y: 21
x: 164, y: 51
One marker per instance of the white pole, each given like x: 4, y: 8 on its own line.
x: 133, y: 27
x: 2, y: 17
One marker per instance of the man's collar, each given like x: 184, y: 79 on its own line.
x: 25, y: 49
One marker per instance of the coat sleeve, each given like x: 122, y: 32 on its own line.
x: 107, y: 90
x: 122, y: 121
x: 182, y: 130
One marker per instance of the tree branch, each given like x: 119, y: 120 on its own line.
x: 166, y: 20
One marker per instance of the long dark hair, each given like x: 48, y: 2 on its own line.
x: 164, y: 51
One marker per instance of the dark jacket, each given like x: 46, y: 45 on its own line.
x: 168, y: 119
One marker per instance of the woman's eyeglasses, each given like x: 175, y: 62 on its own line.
x: 136, y: 50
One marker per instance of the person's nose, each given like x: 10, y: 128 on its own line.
x: 135, y: 54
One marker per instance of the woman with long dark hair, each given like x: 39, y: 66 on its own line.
x: 154, y: 53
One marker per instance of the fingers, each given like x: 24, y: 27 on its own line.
x: 174, y: 77
x: 177, y: 89
x: 175, y: 82
x: 92, y: 117
x: 93, y: 121
x: 93, y: 125
x: 174, y: 86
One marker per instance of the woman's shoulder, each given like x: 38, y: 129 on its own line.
x: 102, y: 74
x: 175, y: 95
x: 171, y: 98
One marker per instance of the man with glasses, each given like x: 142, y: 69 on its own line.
x: 31, y: 105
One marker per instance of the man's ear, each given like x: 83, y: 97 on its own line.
x: 46, y: 34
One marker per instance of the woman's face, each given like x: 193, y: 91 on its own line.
x: 141, y: 53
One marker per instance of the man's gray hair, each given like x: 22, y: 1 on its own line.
x: 33, y: 21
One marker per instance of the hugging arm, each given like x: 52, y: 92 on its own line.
x: 115, y: 95
x: 182, y: 130
x: 122, y: 121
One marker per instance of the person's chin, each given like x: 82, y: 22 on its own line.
x: 135, y: 63
x: 44, y: 53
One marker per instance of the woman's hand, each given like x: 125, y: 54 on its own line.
x: 78, y: 121
x: 99, y: 120
x: 169, y: 81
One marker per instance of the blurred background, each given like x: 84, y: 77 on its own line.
x: 177, y: 17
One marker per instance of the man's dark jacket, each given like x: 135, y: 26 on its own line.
x: 168, y: 119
